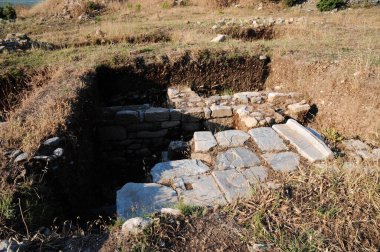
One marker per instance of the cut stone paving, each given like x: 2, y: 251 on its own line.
x: 199, y: 190
x: 233, y: 184
x: 231, y: 138
x: 267, y: 139
x: 283, y: 161
x: 306, y: 143
x: 255, y: 174
x: 234, y: 166
x: 138, y: 199
x: 166, y: 172
x: 238, y: 157
x: 204, y: 141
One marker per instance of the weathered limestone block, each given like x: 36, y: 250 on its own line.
x: 248, y: 122
x: 283, y: 161
x: 152, y: 134
x: 193, y: 114
x: 204, y: 141
x: 175, y: 114
x: 170, y: 124
x: 267, y: 139
x: 178, y: 150
x: 218, y: 111
x: 111, y: 133
x: 199, y: 190
x: 172, y: 92
x: 128, y: 115
x: 355, y: 145
x: 233, y: 184
x: 156, y: 115
x: 238, y: 157
x: 231, y: 138
x: 245, y: 97
x: 298, y: 110
x: 165, y: 173
x: 276, y: 98
x: 306, y: 143
x: 256, y: 174
x: 139, y: 199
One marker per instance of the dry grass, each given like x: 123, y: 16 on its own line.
x: 330, y: 209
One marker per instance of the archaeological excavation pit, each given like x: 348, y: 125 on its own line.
x: 161, y: 133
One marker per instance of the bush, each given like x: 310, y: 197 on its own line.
x: 8, y: 12
x: 328, y: 5
x: 92, y: 6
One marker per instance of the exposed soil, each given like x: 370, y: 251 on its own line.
x: 346, y: 101
x: 248, y: 33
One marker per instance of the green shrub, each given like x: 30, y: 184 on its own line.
x: 289, y: 3
x: 328, y: 5
x: 92, y: 6
x: 8, y: 12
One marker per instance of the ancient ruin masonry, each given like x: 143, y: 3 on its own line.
x: 235, y: 142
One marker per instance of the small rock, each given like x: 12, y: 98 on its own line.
x: 15, y: 153
x: 136, y: 225
x: 219, y: 38
x: 263, y: 57
x: 52, y: 142
x: 21, y: 158
x: 58, y: 152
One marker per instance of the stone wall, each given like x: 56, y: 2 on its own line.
x: 128, y: 133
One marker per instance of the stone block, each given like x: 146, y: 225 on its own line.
x: 256, y: 174
x: 128, y: 115
x: 139, y: 199
x: 283, y: 161
x: 170, y: 124
x: 233, y: 184
x: 218, y: 111
x: 193, y: 114
x: 204, y: 141
x: 267, y: 139
x: 165, y: 173
x: 199, y: 191
x: 175, y: 114
x: 152, y: 134
x: 306, y: 143
x: 231, y: 138
x: 238, y: 157
x: 156, y: 114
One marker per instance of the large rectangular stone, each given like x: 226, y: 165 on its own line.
x: 128, y: 115
x: 231, y: 138
x: 239, y: 157
x: 204, y: 141
x: 307, y: 144
x: 156, y: 114
x: 267, y: 139
x: 283, y: 161
x: 193, y: 114
x: 199, y: 191
x: 220, y: 111
x: 152, y: 134
x: 139, y: 199
x: 233, y: 184
x: 166, y: 172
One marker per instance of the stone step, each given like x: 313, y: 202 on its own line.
x: 166, y: 172
x: 139, y: 199
x: 306, y: 143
